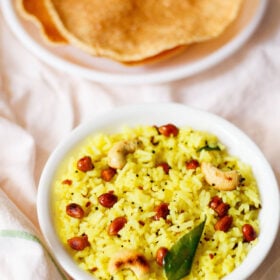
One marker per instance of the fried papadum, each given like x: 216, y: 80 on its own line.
x: 135, y: 31
x: 36, y: 11
x: 131, y: 30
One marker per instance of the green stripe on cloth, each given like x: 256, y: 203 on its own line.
x: 28, y: 236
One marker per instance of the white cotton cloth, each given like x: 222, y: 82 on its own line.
x: 22, y: 254
x: 40, y: 105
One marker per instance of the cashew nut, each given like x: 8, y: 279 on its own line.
x: 129, y: 259
x: 117, y: 154
x: 219, y: 179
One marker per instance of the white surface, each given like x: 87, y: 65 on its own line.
x: 196, y: 59
x: 157, y: 114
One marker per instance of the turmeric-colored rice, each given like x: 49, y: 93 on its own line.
x: 140, y: 186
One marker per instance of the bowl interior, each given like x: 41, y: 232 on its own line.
x: 236, y: 141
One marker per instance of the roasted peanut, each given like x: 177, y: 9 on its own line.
x: 219, y: 206
x: 224, y: 223
x: 67, y: 182
x: 164, y: 166
x: 162, y: 211
x: 129, y: 259
x: 222, y: 209
x: 108, y: 199
x: 249, y: 233
x: 85, y: 164
x: 78, y: 243
x: 168, y: 130
x: 220, y: 180
x: 116, y: 225
x: 108, y: 173
x: 161, y: 253
x: 192, y: 164
x: 75, y: 210
x: 215, y: 201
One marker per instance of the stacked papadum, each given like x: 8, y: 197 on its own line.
x: 131, y: 31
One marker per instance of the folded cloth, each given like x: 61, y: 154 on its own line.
x: 22, y: 253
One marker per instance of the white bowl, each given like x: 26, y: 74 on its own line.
x: 156, y: 114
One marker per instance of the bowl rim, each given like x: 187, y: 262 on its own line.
x: 236, y: 141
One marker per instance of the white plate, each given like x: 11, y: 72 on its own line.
x: 236, y: 141
x: 198, y: 57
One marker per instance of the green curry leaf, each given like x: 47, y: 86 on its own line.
x: 178, y: 261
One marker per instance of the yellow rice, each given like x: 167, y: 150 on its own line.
x: 186, y: 191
